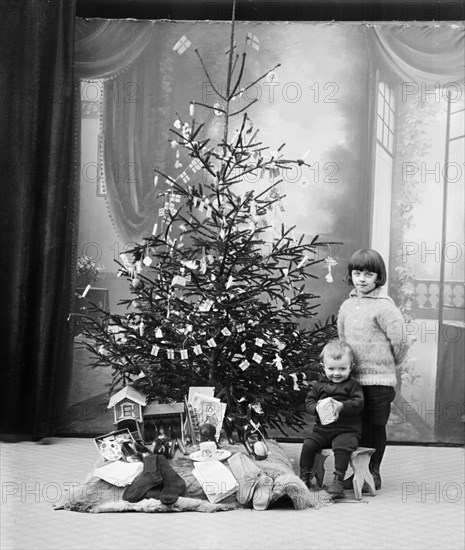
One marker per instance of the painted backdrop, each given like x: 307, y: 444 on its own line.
x: 364, y: 104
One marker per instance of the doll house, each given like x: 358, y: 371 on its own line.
x: 127, y: 405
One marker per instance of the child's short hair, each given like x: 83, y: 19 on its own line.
x: 337, y: 349
x: 370, y: 260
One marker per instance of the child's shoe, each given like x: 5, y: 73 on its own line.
x: 336, y: 488
x: 306, y: 475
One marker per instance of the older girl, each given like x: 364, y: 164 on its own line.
x: 373, y: 326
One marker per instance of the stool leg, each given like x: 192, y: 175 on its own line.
x: 319, y: 468
x: 360, y: 465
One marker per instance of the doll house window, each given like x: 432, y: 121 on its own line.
x: 128, y: 409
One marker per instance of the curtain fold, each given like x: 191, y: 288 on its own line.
x: 131, y: 58
x: 423, y: 53
x: 106, y: 48
x: 37, y: 197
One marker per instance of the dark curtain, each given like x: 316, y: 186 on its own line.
x: 450, y: 416
x: 37, y: 199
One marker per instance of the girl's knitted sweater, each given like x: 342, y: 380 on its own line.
x: 375, y: 329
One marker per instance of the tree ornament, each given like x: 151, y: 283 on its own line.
x: 330, y: 263
x: 137, y: 284
x: 272, y: 76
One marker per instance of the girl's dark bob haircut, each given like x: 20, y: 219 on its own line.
x: 369, y: 260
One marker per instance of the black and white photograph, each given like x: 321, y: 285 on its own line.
x: 234, y: 235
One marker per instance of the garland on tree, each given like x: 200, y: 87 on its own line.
x: 216, y: 301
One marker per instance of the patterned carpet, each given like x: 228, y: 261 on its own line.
x: 421, y: 506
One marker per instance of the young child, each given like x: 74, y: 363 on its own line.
x: 373, y: 326
x: 336, y: 402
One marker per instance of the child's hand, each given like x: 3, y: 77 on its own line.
x: 337, y: 405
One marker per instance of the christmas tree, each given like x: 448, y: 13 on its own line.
x: 219, y: 290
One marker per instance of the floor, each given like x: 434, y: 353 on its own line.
x: 421, y: 506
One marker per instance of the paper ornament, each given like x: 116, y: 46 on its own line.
x: 217, y: 109
x: 226, y: 331
x: 257, y: 358
x: 259, y: 342
x: 240, y: 327
x: 280, y: 345
x: 278, y: 362
x: 86, y: 290
x: 211, y: 342
x: 170, y: 353
x: 253, y: 41
x: 178, y: 281
x: 177, y: 124
x: 197, y: 349
x: 182, y: 45
x: 195, y: 165
x: 203, y: 266
x: 244, y: 365
x: 296, y: 385
x: 147, y: 261
x: 191, y: 109
x: 158, y: 333
x: 302, y: 262
x: 330, y: 262
x: 190, y: 264
x: 155, y: 181
x: 154, y: 351
x: 271, y: 76
x: 229, y: 282
x: 184, y: 354
x: 186, y: 131
x: 206, y: 305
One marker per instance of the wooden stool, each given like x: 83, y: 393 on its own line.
x: 359, y: 461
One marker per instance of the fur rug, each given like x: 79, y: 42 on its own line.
x: 97, y: 496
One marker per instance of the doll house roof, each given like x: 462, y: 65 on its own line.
x: 129, y: 393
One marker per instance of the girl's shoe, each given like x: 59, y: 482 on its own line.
x: 374, y: 470
x: 306, y: 475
